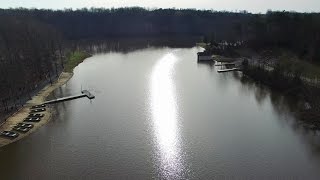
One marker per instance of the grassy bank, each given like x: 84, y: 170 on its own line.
x: 75, y: 58
x: 294, y: 86
x: 308, y: 69
x: 287, y: 60
x: 291, y: 62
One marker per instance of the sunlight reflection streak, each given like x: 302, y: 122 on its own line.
x: 165, y: 117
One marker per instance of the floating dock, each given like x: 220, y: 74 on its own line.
x: 225, y: 64
x: 84, y: 93
x: 88, y: 94
x: 228, y: 70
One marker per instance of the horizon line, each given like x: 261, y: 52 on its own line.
x: 156, y: 8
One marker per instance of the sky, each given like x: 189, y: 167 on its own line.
x: 255, y: 6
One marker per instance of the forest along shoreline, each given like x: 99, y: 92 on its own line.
x: 280, y: 70
x: 22, y: 113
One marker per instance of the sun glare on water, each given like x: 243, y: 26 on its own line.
x: 165, y: 118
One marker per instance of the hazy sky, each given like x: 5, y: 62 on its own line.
x: 230, y: 5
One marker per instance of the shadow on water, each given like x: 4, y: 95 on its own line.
x: 209, y: 65
x: 285, y: 107
x: 15, y: 156
x: 59, y: 108
x: 127, y: 45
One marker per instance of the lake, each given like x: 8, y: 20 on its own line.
x: 158, y: 114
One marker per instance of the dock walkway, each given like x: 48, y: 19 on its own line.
x: 226, y: 64
x: 84, y: 93
x: 228, y: 70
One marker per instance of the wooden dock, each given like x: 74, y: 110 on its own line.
x: 228, y: 70
x: 84, y: 93
x: 225, y: 64
x: 88, y: 94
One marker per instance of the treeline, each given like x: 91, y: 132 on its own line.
x: 29, y: 54
x: 102, y: 23
x: 297, y: 32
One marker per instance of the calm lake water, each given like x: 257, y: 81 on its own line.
x: 158, y: 114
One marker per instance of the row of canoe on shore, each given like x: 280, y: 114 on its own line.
x: 26, y: 125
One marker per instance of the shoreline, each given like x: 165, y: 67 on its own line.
x: 22, y: 113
